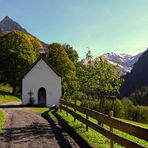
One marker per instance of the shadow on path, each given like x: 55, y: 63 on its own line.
x: 58, y: 132
x: 23, y: 134
x: 19, y: 106
x: 77, y: 138
x: 11, y: 106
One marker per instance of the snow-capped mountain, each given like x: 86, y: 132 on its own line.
x: 125, y: 61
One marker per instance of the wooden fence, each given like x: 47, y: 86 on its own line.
x: 134, y: 130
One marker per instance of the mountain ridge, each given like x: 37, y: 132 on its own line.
x: 137, y: 78
x: 7, y: 24
x: 125, y: 61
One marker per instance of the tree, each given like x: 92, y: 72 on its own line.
x: 88, y: 54
x: 17, y: 53
x: 71, y: 86
x: 36, y: 44
x: 140, y: 96
x: 60, y: 61
x: 1, y: 32
x: 58, y: 58
x: 72, y: 53
x: 99, y: 77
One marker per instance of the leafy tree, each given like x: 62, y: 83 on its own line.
x: 1, y: 32
x: 72, y: 53
x: 17, y: 53
x: 99, y: 78
x: 60, y: 61
x: 36, y: 44
x: 58, y: 58
x: 88, y: 54
x: 140, y: 96
x: 71, y: 86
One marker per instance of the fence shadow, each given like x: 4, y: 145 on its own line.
x: 19, y: 106
x: 78, y: 139
x: 58, y: 131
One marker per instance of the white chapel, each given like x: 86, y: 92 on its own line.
x: 41, y: 85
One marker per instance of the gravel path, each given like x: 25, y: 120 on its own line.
x: 27, y: 129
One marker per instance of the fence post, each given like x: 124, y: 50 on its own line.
x: 60, y: 105
x: 87, y: 119
x: 75, y: 102
x: 111, y: 114
x: 67, y: 108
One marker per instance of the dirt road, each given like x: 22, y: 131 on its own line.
x: 27, y: 129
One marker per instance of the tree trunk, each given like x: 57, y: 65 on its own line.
x: 13, y: 90
x: 101, y: 109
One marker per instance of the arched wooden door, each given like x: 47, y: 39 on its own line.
x: 42, y: 97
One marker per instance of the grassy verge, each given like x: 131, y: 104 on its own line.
x: 38, y: 109
x: 5, y: 95
x: 92, y: 137
x: 8, y: 98
x: 96, y: 139
x: 2, y: 120
x: 134, y: 123
x: 5, y: 88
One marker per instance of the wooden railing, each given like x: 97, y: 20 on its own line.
x: 134, y: 130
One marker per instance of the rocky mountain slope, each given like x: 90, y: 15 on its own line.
x: 125, y: 61
x: 138, y: 77
x: 8, y: 24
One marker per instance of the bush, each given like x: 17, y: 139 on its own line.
x: 108, y: 105
x: 119, y: 110
x: 127, y: 103
x: 122, y: 109
x: 138, y: 114
x: 93, y: 104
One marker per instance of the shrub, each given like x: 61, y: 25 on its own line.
x: 122, y: 109
x: 93, y: 104
x: 138, y: 113
x: 127, y: 103
x: 119, y: 110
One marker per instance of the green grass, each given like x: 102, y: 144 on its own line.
x: 5, y: 95
x: 96, y: 139
x: 134, y: 123
x: 2, y: 120
x: 5, y: 88
x: 38, y: 109
x: 8, y: 98
x: 92, y: 137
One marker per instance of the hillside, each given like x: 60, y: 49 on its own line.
x: 137, y: 78
x: 8, y: 25
x: 125, y: 61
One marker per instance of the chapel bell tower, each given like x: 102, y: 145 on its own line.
x: 43, y: 52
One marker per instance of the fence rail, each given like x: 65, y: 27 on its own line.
x: 134, y: 130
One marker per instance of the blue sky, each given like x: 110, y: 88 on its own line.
x: 100, y: 25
